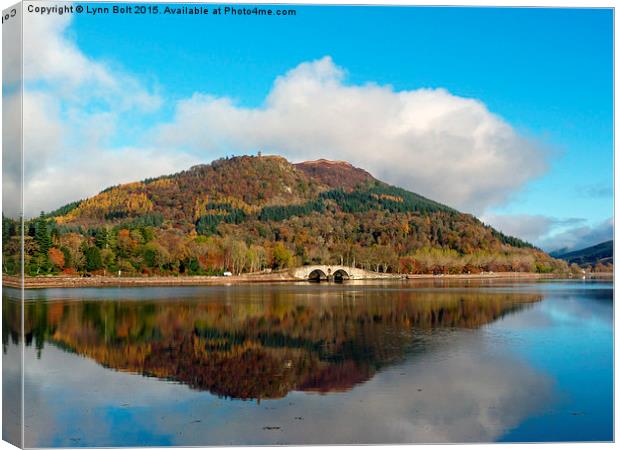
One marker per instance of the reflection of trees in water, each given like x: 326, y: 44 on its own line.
x: 11, y: 318
x: 258, y: 347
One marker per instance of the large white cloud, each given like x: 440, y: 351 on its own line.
x: 71, y: 106
x: 43, y: 130
x: 42, y: 140
x: 51, y: 57
x: 446, y: 147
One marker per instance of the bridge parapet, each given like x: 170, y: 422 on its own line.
x: 334, y: 271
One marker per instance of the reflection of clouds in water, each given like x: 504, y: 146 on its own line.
x: 586, y: 314
x: 72, y: 401
x: 11, y: 394
x: 465, y: 399
x: 568, y: 307
x: 468, y: 393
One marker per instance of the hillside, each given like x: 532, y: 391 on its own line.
x: 602, y: 253
x: 336, y: 174
x: 246, y: 214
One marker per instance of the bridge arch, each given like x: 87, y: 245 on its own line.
x: 325, y: 273
x: 340, y: 275
x: 317, y: 275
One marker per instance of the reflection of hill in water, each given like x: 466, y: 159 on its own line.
x: 262, y: 346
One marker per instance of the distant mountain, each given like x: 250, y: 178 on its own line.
x: 602, y: 253
x: 249, y: 213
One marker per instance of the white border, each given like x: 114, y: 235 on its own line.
x: 475, y: 3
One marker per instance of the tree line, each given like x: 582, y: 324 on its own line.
x: 144, y: 247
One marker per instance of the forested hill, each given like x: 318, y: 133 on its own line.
x: 250, y: 213
x: 602, y: 253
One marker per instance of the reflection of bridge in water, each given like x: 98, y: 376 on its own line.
x: 336, y: 273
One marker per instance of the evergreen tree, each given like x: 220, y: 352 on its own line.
x: 42, y: 236
x: 101, y: 238
x: 93, y: 259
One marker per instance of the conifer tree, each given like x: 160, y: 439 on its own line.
x: 42, y: 236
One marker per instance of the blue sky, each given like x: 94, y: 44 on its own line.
x: 540, y: 79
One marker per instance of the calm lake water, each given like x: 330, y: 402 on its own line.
x: 313, y: 364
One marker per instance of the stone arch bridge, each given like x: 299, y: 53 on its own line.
x: 336, y: 273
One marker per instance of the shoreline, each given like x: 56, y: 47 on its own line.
x: 277, y: 277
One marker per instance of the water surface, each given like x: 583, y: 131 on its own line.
x: 315, y: 364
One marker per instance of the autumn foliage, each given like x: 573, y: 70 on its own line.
x: 248, y: 214
x: 265, y: 345
x: 57, y: 258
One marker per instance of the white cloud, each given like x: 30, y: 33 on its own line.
x: 551, y: 233
x: 96, y: 169
x: 51, y: 57
x: 71, y: 107
x: 449, y: 148
x: 446, y: 147
x: 580, y: 237
x: 43, y: 131
x: 530, y: 227
x: 11, y: 155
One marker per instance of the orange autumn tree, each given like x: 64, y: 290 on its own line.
x: 57, y: 258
